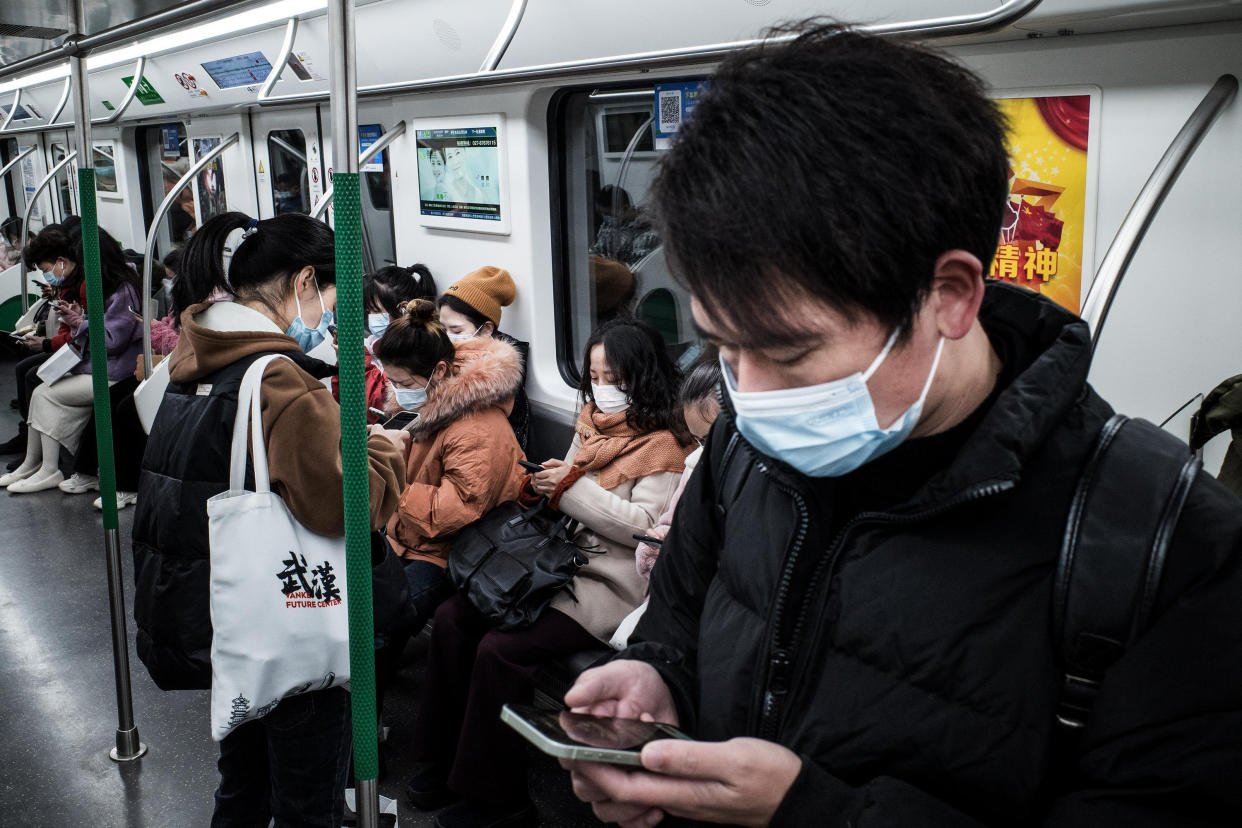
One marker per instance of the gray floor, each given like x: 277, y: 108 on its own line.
x: 57, y: 691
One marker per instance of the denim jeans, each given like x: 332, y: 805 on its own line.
x: 429, y: 587
x: 291, y: 765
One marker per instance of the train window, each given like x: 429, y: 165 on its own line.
x: 167, y: 155
x: 9, y: 151
x: 379, y: 234
x: 64, y: 190
x: 209, y: 183
x: 609, y: 258
x: 286, y: 151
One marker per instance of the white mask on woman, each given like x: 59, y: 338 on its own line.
x: 610, y: 399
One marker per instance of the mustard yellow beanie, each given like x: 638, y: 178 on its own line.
x: 486, y: 290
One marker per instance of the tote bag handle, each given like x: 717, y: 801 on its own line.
x: 250, y: 417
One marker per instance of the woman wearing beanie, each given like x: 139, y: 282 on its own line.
x: 470, y: 309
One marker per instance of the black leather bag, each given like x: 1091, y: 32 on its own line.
x: 513, y: 560
x: 390, y: 591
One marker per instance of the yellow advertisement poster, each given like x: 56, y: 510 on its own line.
x: 1042, y: 231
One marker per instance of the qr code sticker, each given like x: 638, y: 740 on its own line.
x: 670, y: 110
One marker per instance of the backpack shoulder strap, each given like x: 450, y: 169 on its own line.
x: 1120, y: 524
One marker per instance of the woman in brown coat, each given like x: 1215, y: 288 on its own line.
x: 464, y: 458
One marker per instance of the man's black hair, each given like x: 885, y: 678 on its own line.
x: 838, y: 166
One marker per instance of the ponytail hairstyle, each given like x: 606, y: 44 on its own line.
x: 416, y: 340
x: 387, y: 288
x: 638, y: 358
x: 269, y: 252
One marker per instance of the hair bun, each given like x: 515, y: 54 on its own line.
x: 421, y: 311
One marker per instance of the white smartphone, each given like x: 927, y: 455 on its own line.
x: 580, y: 737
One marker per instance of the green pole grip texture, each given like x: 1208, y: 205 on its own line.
x: 98, y: 346
x: 357, y: 472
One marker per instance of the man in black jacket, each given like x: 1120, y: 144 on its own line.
x: 853, y: 609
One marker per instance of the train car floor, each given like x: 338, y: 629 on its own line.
x: 59, y: 705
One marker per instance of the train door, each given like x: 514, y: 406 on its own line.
x: 228, y: 182
x: 378, y: 219
x: 164, y: 157
x: 289, y: 170
x: 63, y: 189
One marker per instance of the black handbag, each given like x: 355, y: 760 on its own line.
x: 513, y: 560
x: 390, y: 591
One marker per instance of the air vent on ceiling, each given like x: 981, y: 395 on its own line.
x: 447, y: 34
x: 36, y: 32
x: 758, y: 2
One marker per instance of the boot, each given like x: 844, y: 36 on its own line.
x: 17, y: 443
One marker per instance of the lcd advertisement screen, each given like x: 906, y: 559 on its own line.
x: 239, y: 70
x: 459, y: 173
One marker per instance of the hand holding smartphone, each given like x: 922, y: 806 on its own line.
x: 533, y: 468
x: 401, y: 419
x: 580, y: 737
x: 650, y: 541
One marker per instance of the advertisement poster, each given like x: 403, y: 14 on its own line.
x: 673, y: 104
x: 29, y: 183
x: 368, y: 134
x: 459, y: 173
x: 1041, y: 244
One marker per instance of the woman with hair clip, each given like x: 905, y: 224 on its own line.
x: 60, y: 412
x: 463, y: 461
x: 621, y: 470
x: 291, y: 765
x: 470, y: 309
x: 384, y: 294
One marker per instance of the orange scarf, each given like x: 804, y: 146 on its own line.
x: 618, y: 452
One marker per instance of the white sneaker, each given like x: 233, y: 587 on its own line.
x: 37, y: 483
x: 123, y: 499
x: 17, y: 474
x: 80, y: 484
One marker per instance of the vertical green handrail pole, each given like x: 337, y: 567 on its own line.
x: 343, y: 82
x: 128, y: 746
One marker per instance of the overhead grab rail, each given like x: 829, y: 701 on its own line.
x: 507, y: 31
x: 30, y: 205
x: 962, y: 25
x: 278, y: 68
x: 365, y: 158
x: 140, y: 67
x: 1134, y: 226
x: 17, y: 102
x: 147, y: 253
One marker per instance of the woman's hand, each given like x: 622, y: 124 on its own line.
x: 48, y: 291
x: 399, y: 437
x: 34, y: 343
x: 71, y: 315
x: 546, y: 481
x: 645, y: 554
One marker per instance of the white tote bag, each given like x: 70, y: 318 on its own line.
x: 150, y: 393
x: 278, y: 604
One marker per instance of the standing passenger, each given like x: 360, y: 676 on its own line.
x: 621, y: 469
x: 471, y: 308
x: 290, y: 765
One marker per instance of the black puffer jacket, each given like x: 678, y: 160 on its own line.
x: 917, y: 676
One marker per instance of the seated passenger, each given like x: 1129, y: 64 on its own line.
x: 855, y: 615
x: 292, y: 764
x: 463, y: 460
x: 471, y: 307
x: 699, y: 407
x: 60, y: 412
x: 621, y: 469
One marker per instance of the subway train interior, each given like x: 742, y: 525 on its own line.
x: 204, y: 107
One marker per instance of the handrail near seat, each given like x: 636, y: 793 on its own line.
x: 160, y: 212
x: 34, y: 198
x: 5, y: 169
x: 936, y: 27
x: 365, y: 158
x: 1134, y: 226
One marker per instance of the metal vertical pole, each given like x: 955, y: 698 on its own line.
x: 345, y: 181
x: 128, y: 746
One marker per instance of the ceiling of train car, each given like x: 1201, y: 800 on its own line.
x: 28, y: 27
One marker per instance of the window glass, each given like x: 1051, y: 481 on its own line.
x: 64, y: 192
x: 378, y: 236
x: 209, y: 183
x: 286, y: 150
x: 169, y: 159
x: 611, y: 259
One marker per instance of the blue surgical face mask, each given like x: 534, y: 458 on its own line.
x: 824, y: 430
x: 53, y: 278
x: 377, y: 323
x: 308, y: 338
x: 411, y: 399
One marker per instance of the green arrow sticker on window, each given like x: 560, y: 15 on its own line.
x: 146, y: 92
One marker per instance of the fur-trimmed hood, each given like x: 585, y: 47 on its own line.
x: 486, y: 372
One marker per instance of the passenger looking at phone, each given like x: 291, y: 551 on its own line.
x: 854, y: 608
x: 471, y: 308
x: 54, y: 253
x: 620, y: 471
x: 293, y: 763
x: 463, y: 459
x: 60, y: 412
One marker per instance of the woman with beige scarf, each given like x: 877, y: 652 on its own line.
x: 620, y: 472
